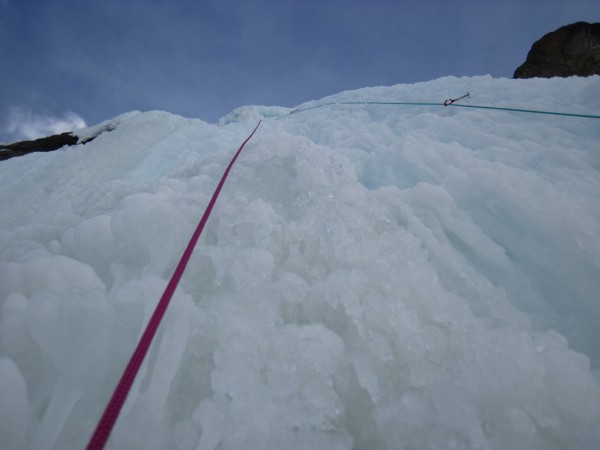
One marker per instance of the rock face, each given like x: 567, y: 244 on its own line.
x: 48, y: 144
x: 571, y: 50
x: 45, y: 144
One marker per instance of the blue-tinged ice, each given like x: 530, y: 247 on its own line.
x: 372, y: 276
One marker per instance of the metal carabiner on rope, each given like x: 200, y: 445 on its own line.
x: 449, y: 101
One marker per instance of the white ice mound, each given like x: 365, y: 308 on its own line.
x: 254, y: 113
x: 372, y: 276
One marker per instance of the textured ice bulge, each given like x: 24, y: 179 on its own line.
x: 372, y: 276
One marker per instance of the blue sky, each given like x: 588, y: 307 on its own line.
x: 68, y: 62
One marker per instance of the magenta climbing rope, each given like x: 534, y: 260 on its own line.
x: 111, y: 413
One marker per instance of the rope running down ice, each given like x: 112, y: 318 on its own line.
x: 111, y: 413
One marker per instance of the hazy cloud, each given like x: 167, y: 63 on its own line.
x: 22, y: 123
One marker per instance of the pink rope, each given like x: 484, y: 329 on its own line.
x: 111, y: 413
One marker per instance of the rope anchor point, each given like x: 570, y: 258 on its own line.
x: 449, y: 101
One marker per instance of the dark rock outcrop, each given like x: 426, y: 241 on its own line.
x: 571, y: 50
x: 45, y: 144
x: 48, y: 144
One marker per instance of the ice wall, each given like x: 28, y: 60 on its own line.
x: 371, y: 277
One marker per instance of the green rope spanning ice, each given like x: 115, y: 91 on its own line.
x: 531, y: 111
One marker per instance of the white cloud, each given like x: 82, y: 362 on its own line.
x: 22, y: 123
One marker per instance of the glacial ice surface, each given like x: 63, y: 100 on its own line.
x: 372, y: 276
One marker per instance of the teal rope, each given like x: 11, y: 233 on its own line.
x: 497, y: 108
x: 321, y: 105
x: 533, y: 111
x: 392, y: 103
